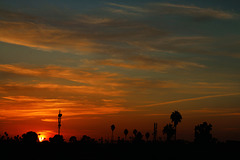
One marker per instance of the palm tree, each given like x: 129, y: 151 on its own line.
x: 126, y: 133
x: 147, y: 135
x: 112, y: 128
x: 176, y: 117
x: 169, y: 130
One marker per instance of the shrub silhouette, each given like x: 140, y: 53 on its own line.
x: 86, y: 139
x: 138, y: 138
x: 202, y: 133
x: 169, y: 130
x: 30, y: 137
x: 57, y: 139
x: 73, y: 139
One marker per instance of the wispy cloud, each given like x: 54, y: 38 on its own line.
x: 126, y: 9
x: 173, y: 9
x: 84, y: 34
x: 193, y: 11
x: 190, y: 99
x: 91, y: 81
x: 223, y: 112
x: 72, y: 74
x: 33, y: 107
x: 147, y: 63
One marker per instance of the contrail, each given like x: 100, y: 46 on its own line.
x: 190, y: 99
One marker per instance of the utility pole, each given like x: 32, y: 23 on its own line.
x: 59, y: 121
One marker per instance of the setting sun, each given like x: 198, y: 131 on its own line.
x: 41, y: 138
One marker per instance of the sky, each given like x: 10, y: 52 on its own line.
x: 128, y: 62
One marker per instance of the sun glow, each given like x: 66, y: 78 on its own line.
x: 41, y: 138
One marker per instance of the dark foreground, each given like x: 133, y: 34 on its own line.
x: 164, y: 151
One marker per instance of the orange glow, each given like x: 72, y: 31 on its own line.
x: 45, y: 134
x: 41, y: 138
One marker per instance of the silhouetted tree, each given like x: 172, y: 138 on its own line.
x: 203, y: 133
x: 30, y: 137
x: 57, y: 139
x: 169, y: 130
x: 73, y: 139
x: 125, y: 133
x: 6, y: 134
x: 86, y: 139
x: 112, y: 128
x: 135, y: 132
x: 176, y: 117
x: 138, y: 138
x: 17, y: 138
x: 147, y: 135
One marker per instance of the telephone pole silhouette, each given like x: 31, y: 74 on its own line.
x: 59, y: 121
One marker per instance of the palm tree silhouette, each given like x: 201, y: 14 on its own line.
x: 125, y: 133
x: 169, y: 130
x: 176, y: 117
x: 112, y: 128
x: 147, y: 135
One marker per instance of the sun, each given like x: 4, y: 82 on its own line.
x: 41, y: 138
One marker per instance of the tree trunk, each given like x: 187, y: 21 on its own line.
x: 112, y: 136
x: 176, y: 133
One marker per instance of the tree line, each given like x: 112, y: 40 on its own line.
x: 202, y: 134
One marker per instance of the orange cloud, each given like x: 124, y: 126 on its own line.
x: 22, y: 107
x: 47, y: 87
x: 42, y: 36
x: 90, y: 81
x: 147, y: 63
x: 68, y: 73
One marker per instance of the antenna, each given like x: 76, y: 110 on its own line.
x: 59, y: 121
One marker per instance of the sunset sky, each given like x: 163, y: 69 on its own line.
x: 130, y: 63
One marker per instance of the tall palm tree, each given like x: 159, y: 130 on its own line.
x: 126, y: 133
x: 112, y: 128
x: 176, y: 117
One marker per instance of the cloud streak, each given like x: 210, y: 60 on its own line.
x: 33, y: 107
x: 190, y: 99
x: 194, y: 11
x: 173, y: 9
x: 89, y: 81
